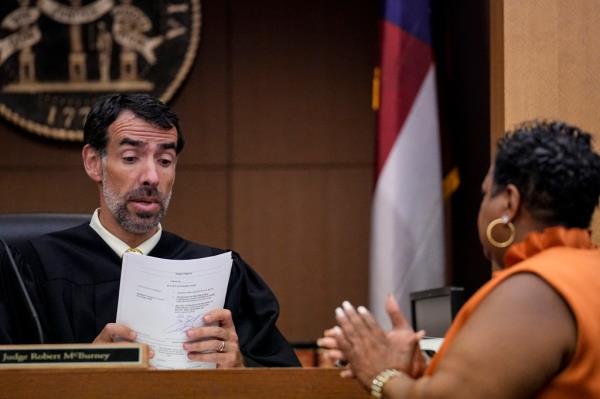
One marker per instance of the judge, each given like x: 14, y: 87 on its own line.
x: 131, y: 147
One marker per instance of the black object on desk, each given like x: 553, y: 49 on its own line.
x: 433, y: 310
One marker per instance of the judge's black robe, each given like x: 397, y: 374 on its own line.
x: 73, y: 280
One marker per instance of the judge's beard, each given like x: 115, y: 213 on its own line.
x: 138, y: 222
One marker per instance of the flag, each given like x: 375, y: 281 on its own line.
x: 407, y: 238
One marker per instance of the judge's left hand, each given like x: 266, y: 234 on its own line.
x: 329, y: 347
x: 115, y: 332
x: 217, y: 343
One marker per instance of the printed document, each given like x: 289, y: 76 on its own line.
x: 161, y: 299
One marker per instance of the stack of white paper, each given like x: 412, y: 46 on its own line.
x: 161, y: 299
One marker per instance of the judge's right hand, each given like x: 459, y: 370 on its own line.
x: 115, y: 332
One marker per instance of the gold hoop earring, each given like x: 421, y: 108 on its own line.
x: 503, y: 220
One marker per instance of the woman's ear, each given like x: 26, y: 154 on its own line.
x: 514, y: 201
x: 92, y: 162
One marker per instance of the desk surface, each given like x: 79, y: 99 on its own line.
x: 135, y: 383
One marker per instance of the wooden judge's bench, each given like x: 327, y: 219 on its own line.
x: 103, y: 383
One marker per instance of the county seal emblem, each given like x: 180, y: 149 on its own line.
x: 58, y: 56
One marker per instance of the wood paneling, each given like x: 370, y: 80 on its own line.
x: 198, y: 208
x: 23, y: 150
x: 305, y: 232
x: 202, y: 102
x: 47, y: 190
x: 530, y: 60
x: 301, y: 85
x: 496, y: 22
x: 551, y: 56
x: 551, y: 50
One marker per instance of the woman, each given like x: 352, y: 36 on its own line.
x: 534, y: 329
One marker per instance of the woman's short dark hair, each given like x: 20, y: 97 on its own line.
x: 555, y: 169
x: 108, y: 108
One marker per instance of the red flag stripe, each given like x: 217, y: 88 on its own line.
x: 404, y: 63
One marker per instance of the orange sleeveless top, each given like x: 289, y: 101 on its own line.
x: 567, y: 260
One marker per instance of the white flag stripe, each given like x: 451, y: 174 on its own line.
x: 407, y: 239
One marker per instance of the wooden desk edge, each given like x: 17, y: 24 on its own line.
x: 249, y: 383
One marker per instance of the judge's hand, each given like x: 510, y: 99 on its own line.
x: 329, y: 346
x: 115, y: 332
x: 370, y: 350
x: 217, y: 343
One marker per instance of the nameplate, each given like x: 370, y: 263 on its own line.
x: 74, y: 355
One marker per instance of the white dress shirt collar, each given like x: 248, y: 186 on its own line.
x: 116, y: 244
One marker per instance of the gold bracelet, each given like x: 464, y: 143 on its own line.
x: 380, y: 380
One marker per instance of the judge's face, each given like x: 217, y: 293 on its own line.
x: 138, y: 172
